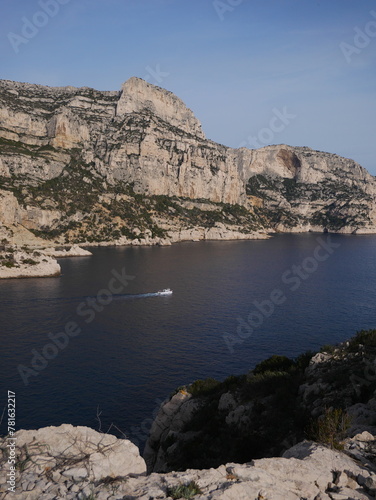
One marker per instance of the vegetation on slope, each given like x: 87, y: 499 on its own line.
x: 334, y: 201
x: 93, y: 210
x: 279, y: 403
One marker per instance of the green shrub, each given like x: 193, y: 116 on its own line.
x: 302, y: 361
x: 31, y: 262
x: 157, y: 232
x: 184, y: 490
x: 233, y: 382
x: 364, y: 337
x: 203, y: 387
x: 9, y: 263
x: 265, y: 384
x: 328, y: 348
x: 330, y: 428
x: 274, y: 364
x: 291, y: 189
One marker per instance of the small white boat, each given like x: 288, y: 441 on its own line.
x: 165, y: 291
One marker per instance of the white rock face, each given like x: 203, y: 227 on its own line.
x: 139, y: 96
x: 67, y: 131
x: 78, y: 453
x: 10, y: 212
x: 74, y: 251
x: 147, y: 137
x: 64, y: 462
x: 41, y: 266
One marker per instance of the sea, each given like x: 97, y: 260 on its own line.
x: 99, y: 347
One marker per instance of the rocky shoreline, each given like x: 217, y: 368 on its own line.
x: 73, y: 251
x: 37, y: 260
x: 33, y: 263
x: 216, y: 233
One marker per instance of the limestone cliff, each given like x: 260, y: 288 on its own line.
x: 81, y: 165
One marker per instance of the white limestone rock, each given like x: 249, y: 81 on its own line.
x: 73, y: 251
x: 26, y: 265
x: 139, y: 96
x: 96, y: 455
x: 307, y: 470
x: 145, y: 136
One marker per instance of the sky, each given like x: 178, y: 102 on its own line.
x: 254, y: 72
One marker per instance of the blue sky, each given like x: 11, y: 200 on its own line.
x: 236, y: 63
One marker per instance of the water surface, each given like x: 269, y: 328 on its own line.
x: 139, y: 348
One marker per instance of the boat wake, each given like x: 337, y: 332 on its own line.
x: 70, y: 300
x: 164, y: 292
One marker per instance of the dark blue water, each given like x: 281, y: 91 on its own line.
x: 134, y: 351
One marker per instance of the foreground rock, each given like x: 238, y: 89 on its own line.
x: 59, y: 462
x: 69, y: 462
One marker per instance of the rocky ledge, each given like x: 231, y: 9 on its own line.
x: 73, y: 251
x: 33, y: 263
x: 69, y: 462
x: 22, y: 264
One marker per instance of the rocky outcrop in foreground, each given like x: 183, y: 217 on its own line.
x: 210, y: 423
x: 78, y: 165
x: 326, y: 396
x: 69, y: 463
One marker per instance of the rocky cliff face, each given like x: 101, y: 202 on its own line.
x: 326, y: 397
x: 67, y: 153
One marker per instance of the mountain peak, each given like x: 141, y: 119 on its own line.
x: 138, y: 96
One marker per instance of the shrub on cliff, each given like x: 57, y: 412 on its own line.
x: 203, y: 387
x: 184, y: 490
x: 366, y: 338
x: 274, y: 364
x: 330, y: 428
